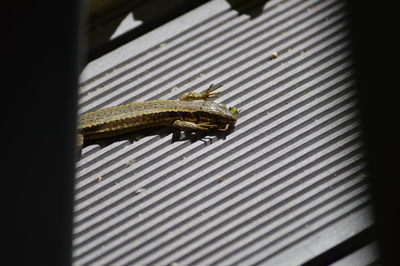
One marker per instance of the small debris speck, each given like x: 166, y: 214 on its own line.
x: 274, y: 55
x: 163, y: 44
x: 140, y: 190
x: 220, y: 180
x: 130, y: 162
x: 99, y: 179
x: 174, y: 89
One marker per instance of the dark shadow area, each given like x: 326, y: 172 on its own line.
x: 376, y: 59
x: 153, y: 14
x: 104, y: 22
x: 41, y: 52
x: 253, y: 8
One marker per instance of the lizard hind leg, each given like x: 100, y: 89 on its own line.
x: 79, y: 145
x: 79, y: 140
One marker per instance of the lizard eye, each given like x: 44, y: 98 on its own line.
x: 233, y: 110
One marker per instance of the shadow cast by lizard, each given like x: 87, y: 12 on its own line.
x: 176, y: 135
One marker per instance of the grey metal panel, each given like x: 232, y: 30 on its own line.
x: 286, y: 185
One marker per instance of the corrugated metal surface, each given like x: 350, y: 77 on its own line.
x: 285, y: 186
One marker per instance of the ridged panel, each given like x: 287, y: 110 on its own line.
x: 291, y: 171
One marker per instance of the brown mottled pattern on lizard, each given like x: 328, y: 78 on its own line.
x: 191, y: 112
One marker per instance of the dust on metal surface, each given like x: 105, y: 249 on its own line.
x: 289, y: 178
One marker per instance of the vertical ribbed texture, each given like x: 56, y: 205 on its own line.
x: 291, y: 172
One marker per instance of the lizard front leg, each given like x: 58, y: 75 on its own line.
x: 208, y: 93
x: 187, y: 126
